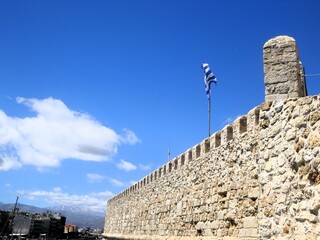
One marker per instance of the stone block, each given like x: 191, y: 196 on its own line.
x: 214, y: 225
x: 248, y: 233
x: 307, y: 216
x: 253, y: 193
x: 250, y: 222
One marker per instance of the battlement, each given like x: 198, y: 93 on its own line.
x: 246, y: 124
x: 257, y: 178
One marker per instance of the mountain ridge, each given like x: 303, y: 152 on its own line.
x: 81, y: 217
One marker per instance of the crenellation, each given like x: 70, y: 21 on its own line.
x: 207, y: 145
x: 226, y: 134
x: 240, y: 125
x: 203, y: 146
x: 243, y: 124
x: 257, y: 178
x: 198, y: 151
x: 211, y: 142
x: 176, y: 163
x: 170, y: 167
x: 253, y: 121
x: 182, y: 159
x: 217, y: 139
x: 190, y: 155
x: 155, y: 175
x: 229, y: 133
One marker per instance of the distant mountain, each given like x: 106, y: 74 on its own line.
x: 81, y: 217
x: 22, y: 208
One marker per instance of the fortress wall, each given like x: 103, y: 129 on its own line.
x: 257, y: 178
x: 262, y: 182
x: 289, y: 163
x: 209, y: 190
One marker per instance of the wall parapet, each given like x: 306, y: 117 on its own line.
x: 220, y: 138
x: 261, y: 183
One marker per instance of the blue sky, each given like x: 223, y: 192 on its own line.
x: 93, y: 93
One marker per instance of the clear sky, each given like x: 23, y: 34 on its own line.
x: 93, y: 93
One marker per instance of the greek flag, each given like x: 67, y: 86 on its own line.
x: 208, y: 78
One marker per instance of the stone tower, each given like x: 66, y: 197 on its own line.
x: 283, y: 72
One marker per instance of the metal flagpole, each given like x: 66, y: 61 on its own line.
x: 208, y: 79
x: 209, y: 114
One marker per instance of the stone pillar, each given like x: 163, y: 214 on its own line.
x: 282, y: 69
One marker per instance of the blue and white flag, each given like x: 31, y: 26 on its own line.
x: 208, y: 78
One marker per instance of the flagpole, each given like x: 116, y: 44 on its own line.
x: 209, y: 114
x: 208, y: 79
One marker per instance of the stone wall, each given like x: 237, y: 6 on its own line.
x: 210, y: 190
x: 257, y: 178
x: 289, y: 165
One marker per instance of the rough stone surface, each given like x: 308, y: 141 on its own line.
x: 257, y: 184
x: 257, y: 178
x: 283, y: 72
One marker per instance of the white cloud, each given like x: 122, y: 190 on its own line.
x: 117, y: 183
x: 129, y: 137
x: 57, y: 189
x: 92, y: 201
x: 144, y: 167
x: 55, y: 133
x: 94, y: 177
x: 127, y: 166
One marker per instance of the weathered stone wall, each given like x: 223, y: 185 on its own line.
x: 257, y: 178
x: 289, y: 163
x: 210, y: 190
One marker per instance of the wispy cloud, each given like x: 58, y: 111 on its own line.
x: 94, y: 177
x: 144, y: 167
x: 129, y: 137
x: 116, y: 182
x: 55, y: 133
x: 126, y: 166
x: 93, y: 201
